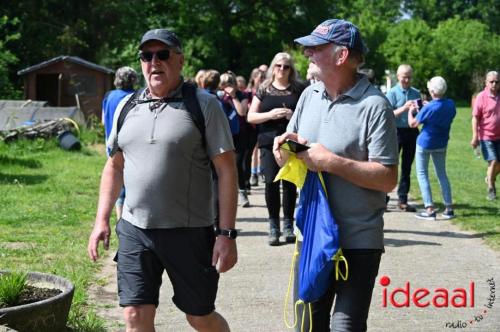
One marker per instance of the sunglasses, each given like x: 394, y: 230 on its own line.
x: 284, y: 67
x: 491, y: 82
x: 162, y: 55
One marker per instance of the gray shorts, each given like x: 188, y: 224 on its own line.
x: 186, y: 255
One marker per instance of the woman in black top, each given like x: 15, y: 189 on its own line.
x: 271, y: 109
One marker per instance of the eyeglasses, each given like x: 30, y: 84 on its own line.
x: 495, y: 82
x: 162, y: 55
x: 284, y: 67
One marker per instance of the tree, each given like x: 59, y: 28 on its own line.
x: 466, y: 48
x: 7, y: 90
x: 435, y: 11
x: 409, y: 43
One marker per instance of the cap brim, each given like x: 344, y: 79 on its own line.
x: 164, y: 41
x: 311, y: 41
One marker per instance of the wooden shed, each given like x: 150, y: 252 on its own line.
x: 68, y: 81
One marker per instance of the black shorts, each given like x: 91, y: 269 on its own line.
x: 186, y: 255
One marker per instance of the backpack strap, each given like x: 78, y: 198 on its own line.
x: 131, y: 102
x: 193, y: 107
x: 188, y: 98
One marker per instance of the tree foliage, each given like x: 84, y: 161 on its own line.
x: 409, y: 42
x: 435, y: 11
x: 457, y: 49
x: 7, y: 58
x: 241, y: 34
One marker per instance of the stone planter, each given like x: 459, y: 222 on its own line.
x: 49, y: 315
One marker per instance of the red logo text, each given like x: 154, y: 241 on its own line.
x: 423, y: 297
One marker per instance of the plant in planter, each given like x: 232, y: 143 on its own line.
x: 11, y: 286
x: 34, y: 301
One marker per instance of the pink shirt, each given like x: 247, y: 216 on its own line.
x: 487, y: 112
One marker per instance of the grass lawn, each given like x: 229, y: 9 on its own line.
x: 47, y: 206
x: 466, y: 174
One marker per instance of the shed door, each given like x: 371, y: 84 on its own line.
x: 47, y: 88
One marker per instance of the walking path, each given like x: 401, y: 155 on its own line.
x: 424, y: 254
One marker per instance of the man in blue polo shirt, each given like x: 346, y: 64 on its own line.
x: 401, y: 98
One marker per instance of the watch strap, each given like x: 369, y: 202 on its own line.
x: 230, y: 233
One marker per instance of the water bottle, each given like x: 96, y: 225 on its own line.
x: 477, y: 152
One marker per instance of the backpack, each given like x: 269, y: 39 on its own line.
x: 320, y: 254
x: 188, y: 98
x: 231, y: 114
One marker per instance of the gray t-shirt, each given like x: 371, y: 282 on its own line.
x: 359, y: 125
x: 167, y: 172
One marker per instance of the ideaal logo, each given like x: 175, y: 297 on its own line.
x: 423, y: 297
x: 438, y: 298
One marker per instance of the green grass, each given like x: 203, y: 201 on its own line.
x: 466, y: 174
x: 11, y: 286
x: 48, y: 200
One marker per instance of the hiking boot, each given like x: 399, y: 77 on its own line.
x: 243, y: 199
x: 448, y: 214
x: 288, y: 231
x: 492, y: 194
x: 254, y: 180
x: 288, y: 235
x: 274, y: 237
x: 406, y: 207
x: 426, y: 215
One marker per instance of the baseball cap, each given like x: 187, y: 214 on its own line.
x: 163, y: 35
x: 335, y: 31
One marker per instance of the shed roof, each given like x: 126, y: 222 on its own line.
x: 69, y: 58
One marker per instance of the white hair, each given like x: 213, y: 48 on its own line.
x: 437, y: 86
x: 491, y: 73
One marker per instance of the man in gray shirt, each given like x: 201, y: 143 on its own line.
x: 351, y: 131
x: 167, y: 222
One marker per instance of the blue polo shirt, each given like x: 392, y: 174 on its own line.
x: 436, y: 117
x: 398, y: 97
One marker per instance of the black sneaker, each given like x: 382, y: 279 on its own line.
x: 448, y: 214
x: 425, y: 215
x: 407, y: 207
x: 274, y: 237
x: 288, y: 235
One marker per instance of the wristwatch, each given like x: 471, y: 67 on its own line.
x: 230, y: 233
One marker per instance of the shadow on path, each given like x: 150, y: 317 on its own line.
x: 444, y: 234
x: 405, y: 243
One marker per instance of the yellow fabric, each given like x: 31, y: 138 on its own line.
x: 294, y: 171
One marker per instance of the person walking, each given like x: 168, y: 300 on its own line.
x: 350, y: 128
x: 436, y: 118
x: 235, y: 104
x: 125, y: 79
x: 486, y: 129
x: 401, y: 98
x: 167, y: 222
x: 271, y: 108
x: 256, y: 78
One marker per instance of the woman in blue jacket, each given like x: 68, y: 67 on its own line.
x: 432, y: 142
